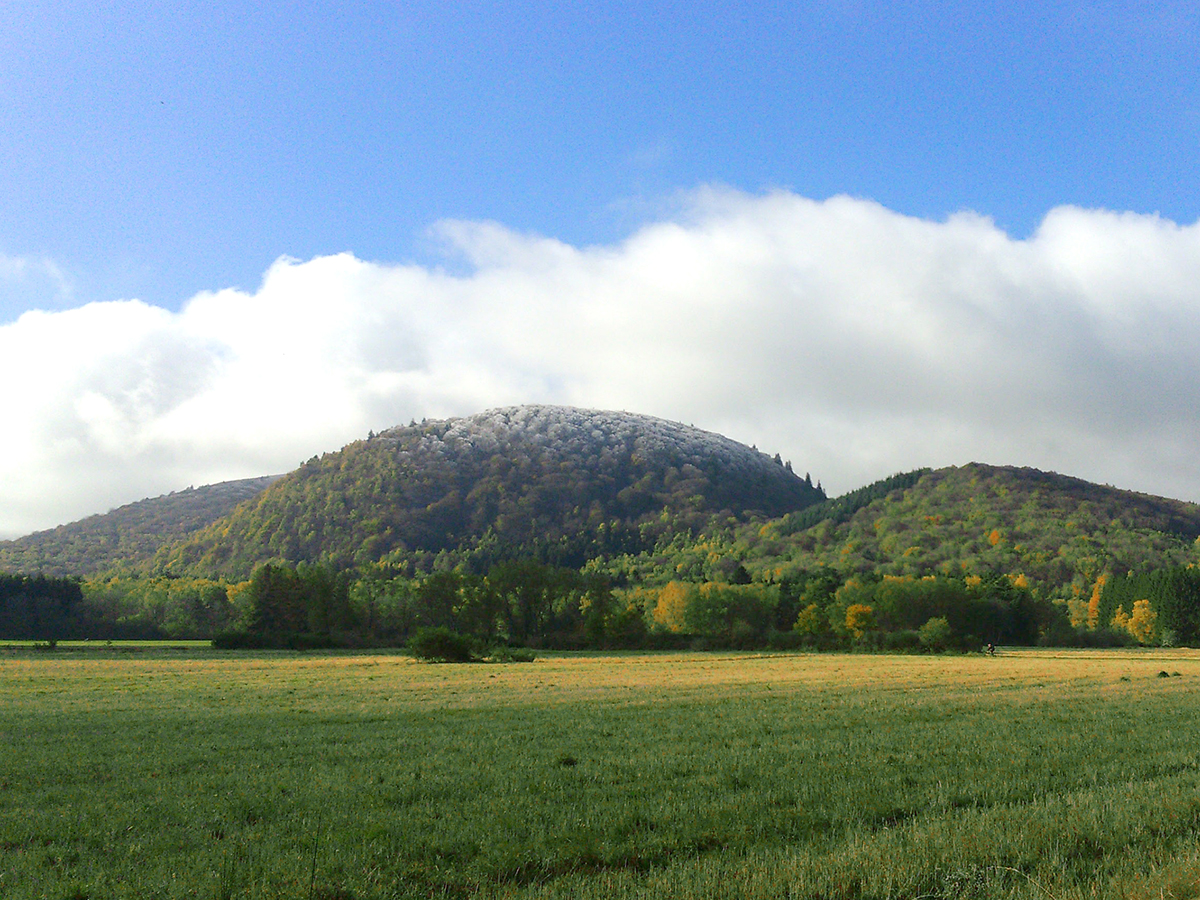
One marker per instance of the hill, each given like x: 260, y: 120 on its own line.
x: 550, y: 526
x: 1054, y: 530
x: 555, y: 483
x: 129, y: 535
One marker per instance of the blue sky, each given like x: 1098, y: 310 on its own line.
x: 477, y: 162
x: 154, y: 151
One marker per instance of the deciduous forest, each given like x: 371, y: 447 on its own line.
x: 550, y: 527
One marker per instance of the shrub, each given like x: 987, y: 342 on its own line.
x: 238, y: 640
x: 1059, y: 633
x: 511, y: 655
x: 662, y: 640
x: 902, y: 641
x: 936, y: 634
x: 785, y: 640
x: 441, y: 645
x: 299, y: 640
x: 307, y: 640
x: 1086, y: 637
x: 1107, y: 637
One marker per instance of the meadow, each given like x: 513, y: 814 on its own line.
x: 192, y: 773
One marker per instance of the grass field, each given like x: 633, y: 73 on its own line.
x: 106, y: 645
x: 197, y: 774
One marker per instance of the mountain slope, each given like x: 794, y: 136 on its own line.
x: 560, y: 483
x: 1051, y: 528
x: 129, y: 535
x: 1060, y: 533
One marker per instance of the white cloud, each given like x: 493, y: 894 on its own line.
x: 853, y: 340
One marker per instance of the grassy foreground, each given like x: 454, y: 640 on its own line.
x: 101, y: 646
x: 1034, y: 774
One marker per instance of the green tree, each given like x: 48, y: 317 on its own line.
x: 277, y: 601
x: 935, y: 634
x: 438, y: 600
x: 527, y: 589
x: 812, y: 621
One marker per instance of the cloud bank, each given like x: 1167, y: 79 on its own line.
x: 855, y: 341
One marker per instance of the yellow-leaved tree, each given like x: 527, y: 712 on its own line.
x: 811, y: 621
x: 1077, y: 609
x: 860, y: 619
x: 1093, y: 610
x: 1143, y: 622
x: 672, y: 603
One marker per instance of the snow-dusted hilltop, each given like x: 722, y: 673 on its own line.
x: 598, y: 436
x: 560, y: 483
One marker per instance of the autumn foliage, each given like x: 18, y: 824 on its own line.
x: 860, y: 619
x: 1142, y: 622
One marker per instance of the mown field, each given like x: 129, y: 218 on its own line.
x: 106, y: 645
x: 196, y: 774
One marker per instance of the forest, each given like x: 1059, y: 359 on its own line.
x: 557, y: 527
x: 41, y: 608
x: 526, y: 603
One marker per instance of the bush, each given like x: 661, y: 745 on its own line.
x: 660, y: 640
x: 1085, y: 637
x: 441, y: 645
x: 299, y: 640
x: 238, y: 640
x: 512, y: 654
x: 935, y: 635
x: 1059, y: 633
x: 1106, y: 637
x: 902, y: 641
x: 307, y: 640
x: 786, y: 640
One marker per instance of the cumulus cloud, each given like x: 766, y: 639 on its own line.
x: 851, y: 339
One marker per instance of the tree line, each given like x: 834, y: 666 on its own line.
x: 42, y: 608
x: 536, y: 604
x: 1161, y: 606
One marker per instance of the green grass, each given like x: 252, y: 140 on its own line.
x: 102, y: 645
x: 678, y: 775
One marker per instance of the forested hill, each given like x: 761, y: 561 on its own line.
x: 1054, y: 530
x: 551, y: 482
x: 129, y: 535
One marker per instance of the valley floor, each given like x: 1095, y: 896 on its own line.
x: 190, y: 773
